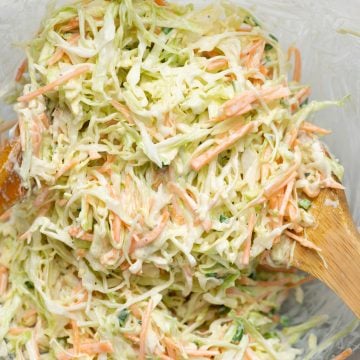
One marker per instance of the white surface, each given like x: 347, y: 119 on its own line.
x: 331, y: 65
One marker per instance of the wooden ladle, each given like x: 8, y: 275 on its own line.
x: 335, y: 233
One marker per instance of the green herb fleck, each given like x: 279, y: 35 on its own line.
x: 267, y: 59
x: 166, y: 30
x: 29, y: 285
x: 268, y: 47
x: 284, y: 103
x: 212, y: 275
x: 304, y: 204
x: 270, y: 335
x: 284, y: 320
x: 123, y: 316
x: 304, y: 103
x: 250, y: 20
x: 238, y: 333
x: 223, y: 310
x: 273, y: 37
x: 253, y: 275
x: 224, y: 219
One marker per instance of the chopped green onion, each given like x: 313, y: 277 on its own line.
x: 166, y: 30
x: 238, y: 333
x: 284, y: 320
x: 29, y: 285
x: 224, y: 219
x: 304, y: 204
x: 123, y: 316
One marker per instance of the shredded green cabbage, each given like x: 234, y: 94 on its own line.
x: 165, y: 165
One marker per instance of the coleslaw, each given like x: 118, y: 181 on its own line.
x: 170, y: 165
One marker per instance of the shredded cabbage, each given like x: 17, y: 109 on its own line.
x: 165, y: 152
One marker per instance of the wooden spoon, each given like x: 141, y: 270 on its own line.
x: 339, y: 240
x: 335, y: 233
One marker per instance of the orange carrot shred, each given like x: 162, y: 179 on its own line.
x: 76, y: 336
x: 251, y: 225
x: 20, y: 72
x: 217, y: 64
x: 343, y: 355
x: 160, y: 2
x: 144, y: 329
x: 198, y: 162
x: 312, y: 128
x: 59, y: 53
x: 302, y: 241
x: 297, y: 65
x: 124, y: 110
x: 60, y: 81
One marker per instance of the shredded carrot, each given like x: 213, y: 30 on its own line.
x: 182, y: 194
x: 303, y: 94
x: 285, y: 200
x: 302, y: 241
x: 171, y: 348
x: 160, y: 2
x: 71, y: 25
x: 217, y: 64
x: 89, y: 349
x: 4, y: 275
x: 66, y: 168
x: 344, y: 355
x: 18, y: 330
x: 79, y: 70
x: 331, y: 183
x: 80, y: 234
x: 135, y: 339
x: 59, y: 53
x: 145, y: 324
x: 281, y: 181
x: 251, y: 225
x: 153, y: 234
x: 297, y: 65
x: 203, y: 353
x: 264, y: 70
x: 28, y: 314
x: 243, y: 103
x: 124, y: 110
x: 308, y: 127
x: 164, y: 357
x: 255, y: 55
x: 21, y: 70
x: 211, y: 53
x: 6, y: 215
x: 76, y: 337
x: 116, y: 227
x: 198, y: 162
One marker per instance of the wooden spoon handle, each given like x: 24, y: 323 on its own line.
x: 10, y: 182
x: 339, y: 240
